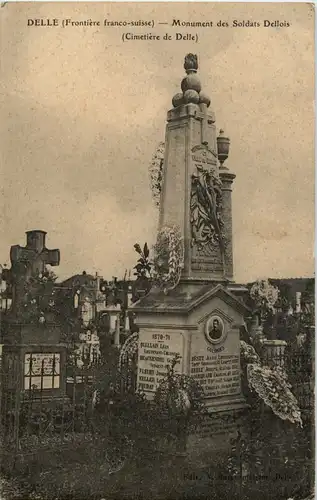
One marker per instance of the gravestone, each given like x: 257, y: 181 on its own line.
x: 34, y: 355
x: 199, y: 317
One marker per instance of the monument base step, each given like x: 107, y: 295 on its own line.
x: 232, y: 404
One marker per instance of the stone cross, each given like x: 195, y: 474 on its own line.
x: 34, y: 256
x: 29, y: 261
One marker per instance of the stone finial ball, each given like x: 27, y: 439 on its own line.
x: 191, y: 96
x: 178, y: 100
x: 204, y: 99
x: 191, y: 82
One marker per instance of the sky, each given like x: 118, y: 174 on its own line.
x: 83, y: 112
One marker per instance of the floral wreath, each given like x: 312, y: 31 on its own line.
x: 156, y: 173
x: 271, y: 385
x: 168, y: 258
x: 264, y: 294
x: 129, y: 349
x: 179, y: 392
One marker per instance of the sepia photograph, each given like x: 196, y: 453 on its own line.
x: 157, y: 274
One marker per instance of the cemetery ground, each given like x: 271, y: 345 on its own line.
x: 80, y: 472
x: 129, y: 448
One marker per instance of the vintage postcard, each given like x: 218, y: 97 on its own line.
x: 157, y: 319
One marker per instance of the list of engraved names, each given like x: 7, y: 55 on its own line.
x: 156, y: 352
x: 218, y: 373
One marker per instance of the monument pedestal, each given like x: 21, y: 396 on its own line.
x: 217, y: 432
x: 34, y: 360
x: 203, y: 328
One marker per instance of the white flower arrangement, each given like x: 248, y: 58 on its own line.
x: 248, y: 353
x: 168, y: 258
x: 271, y: 385
x: 263, y: 292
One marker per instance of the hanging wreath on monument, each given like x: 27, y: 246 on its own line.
x: 156, y: 173
x: 129, y: 350
x: 271, y: 385
x: 168, y: 259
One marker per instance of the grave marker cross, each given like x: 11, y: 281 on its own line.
x: 34, y: 256
x: 29, y: 261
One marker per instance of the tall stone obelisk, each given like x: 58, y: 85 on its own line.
x: 196, y: 188
x: 191, y: 311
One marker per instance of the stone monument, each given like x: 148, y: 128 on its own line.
x: 34, y: 355
x: 195, y: 313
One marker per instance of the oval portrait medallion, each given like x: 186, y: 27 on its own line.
x: 215, y: 329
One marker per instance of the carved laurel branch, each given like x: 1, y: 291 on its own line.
x: 206, y: 211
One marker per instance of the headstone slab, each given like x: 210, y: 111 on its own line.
x: 204, y: 329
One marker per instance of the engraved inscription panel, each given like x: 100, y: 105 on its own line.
x: 156, y: 351
x: 216, y: 366
x: 218, y: 373
x: 204, y: 157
